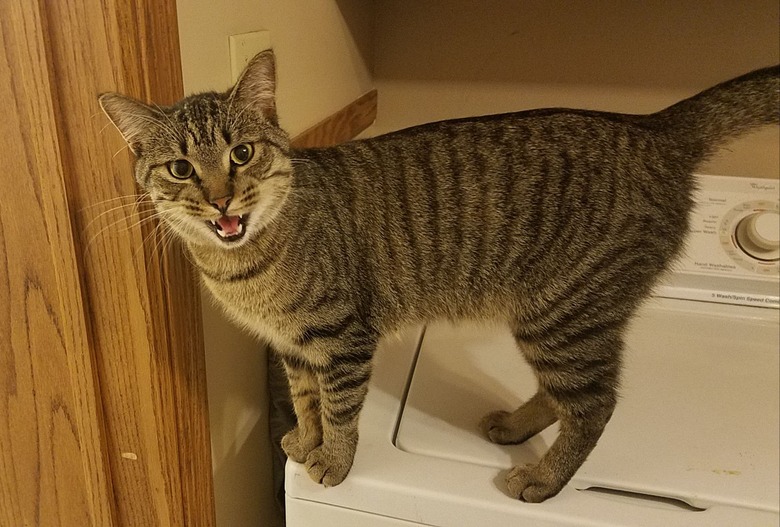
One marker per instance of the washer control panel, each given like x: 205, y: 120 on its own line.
x: 750, y: 234
x: 733, y: 250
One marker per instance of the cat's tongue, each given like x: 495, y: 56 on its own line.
x: 229, y: 225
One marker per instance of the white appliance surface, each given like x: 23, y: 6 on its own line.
x: 694, y: 439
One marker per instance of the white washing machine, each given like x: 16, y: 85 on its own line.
x: 693, y: 441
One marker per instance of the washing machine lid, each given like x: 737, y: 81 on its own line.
x: 697, y: 420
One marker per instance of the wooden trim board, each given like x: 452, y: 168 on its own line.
x: 342, y: 126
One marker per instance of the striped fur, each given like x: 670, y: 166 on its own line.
x: 555, y: 222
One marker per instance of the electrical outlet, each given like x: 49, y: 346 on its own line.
x: 245, y: 46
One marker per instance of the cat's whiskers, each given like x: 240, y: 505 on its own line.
x: 169, y: 126
x: 125, y: 147
x: 163, y: 235
x: 112, y: 226
x: 167, y: 117
x: 171, y: 132
x: 135, y: 197
x: 153, y: 234
x: 230, y: 106
x: 127, y: 210
x: 100, y: 132
x: 109, y: 228
x: 160, y: 231
x: 165, y: 241
x: 105, y: 220
x: 141, y: 221
x: 168, y: 240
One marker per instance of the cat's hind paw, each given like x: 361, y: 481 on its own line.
x: 530, y: 484
x: 495, y: 426
x: 504, y: 428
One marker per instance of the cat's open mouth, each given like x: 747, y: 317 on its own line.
x: 229, y: 228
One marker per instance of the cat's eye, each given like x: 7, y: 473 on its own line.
x: 180, y: 169
x: 241, y: 154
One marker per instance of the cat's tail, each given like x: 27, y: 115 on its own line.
x: 712, y: 117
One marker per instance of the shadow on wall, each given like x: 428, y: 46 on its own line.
x: 359, y: 24
x: 238, y: 416
x: 237, y: 471
x: 655, y: 42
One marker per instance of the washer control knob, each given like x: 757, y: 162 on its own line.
x: 758, y: 235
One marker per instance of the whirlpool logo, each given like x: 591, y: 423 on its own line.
x: 763, y: 186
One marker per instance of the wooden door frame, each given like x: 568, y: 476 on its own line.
x: 125, y: 311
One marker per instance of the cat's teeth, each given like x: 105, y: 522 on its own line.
x: 223, y: 234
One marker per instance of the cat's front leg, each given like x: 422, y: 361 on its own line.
x: 305, y: 393
x: 343, y: 386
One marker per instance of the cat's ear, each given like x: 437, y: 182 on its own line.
x: 255, y: 89
x: 132, y: 118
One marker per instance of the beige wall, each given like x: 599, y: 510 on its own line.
x: 322, y: 50
x: 445, y: 58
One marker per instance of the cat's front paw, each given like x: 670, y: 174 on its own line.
x: 328, y: 466
x: 531, y: 484
x: 297, y: 446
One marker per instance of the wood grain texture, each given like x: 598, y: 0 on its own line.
x: 342, y: 125
x: 53, y: 469
x: 144, y: 303
x: 103, y: 410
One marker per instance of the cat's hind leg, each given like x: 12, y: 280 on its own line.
x: 511, y: 428
x: 578, y: 371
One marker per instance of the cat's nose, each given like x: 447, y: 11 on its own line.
x: 221, y: 204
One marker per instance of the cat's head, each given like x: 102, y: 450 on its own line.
x: 214, y: 164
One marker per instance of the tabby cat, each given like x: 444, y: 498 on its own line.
x: 555, y: 222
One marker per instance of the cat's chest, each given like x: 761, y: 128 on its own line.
x: 254, y: 306
x: 250, y: 305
